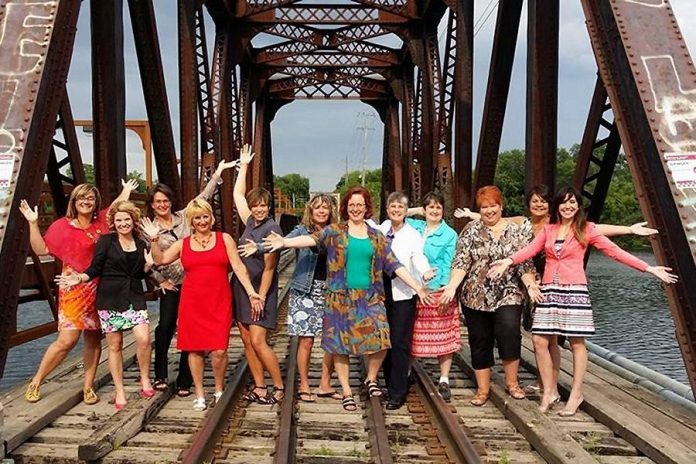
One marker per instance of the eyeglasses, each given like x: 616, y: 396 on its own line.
x: 356, y: 205
x: 87, y: 199
x: 161, y: 202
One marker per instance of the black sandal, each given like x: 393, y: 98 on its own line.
x: 271, y: 397
x: 349, y: 403
x: 254, y: 397
x: 183, y: 392
x: 373, y: 389
x: 160, y: 385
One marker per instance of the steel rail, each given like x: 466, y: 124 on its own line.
x: 286, y: 442
x: 376, y: 427
x: 202, y: 447
x: 451, y: 434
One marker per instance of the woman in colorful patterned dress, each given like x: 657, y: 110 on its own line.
x: 306, y: 298
x: 71, y: 239
x: 565, y: 307
x: 205, y: 311
x: 119, y: 262
x: 492, y: 308
x: 436, y: 331
x: 355, y: 322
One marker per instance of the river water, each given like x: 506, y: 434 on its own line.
x: 631, y: 315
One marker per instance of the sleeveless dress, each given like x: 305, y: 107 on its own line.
x: 205, y: 308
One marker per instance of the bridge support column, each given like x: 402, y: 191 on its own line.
x: 463, y: 103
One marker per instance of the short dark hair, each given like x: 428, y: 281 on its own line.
x: 258, y: 195
x: 157, y: 188
x: 435, y: 197
x: 542, y: 191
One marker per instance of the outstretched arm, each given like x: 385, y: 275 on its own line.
x: 216, y: 179
x: 159, y: 257
x: 128, y: 187
x: 38, y: 245
x: 274, y: 242
x: 639, y: 228
x: 239, y: 192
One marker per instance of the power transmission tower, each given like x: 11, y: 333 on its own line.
x: 365, y: 128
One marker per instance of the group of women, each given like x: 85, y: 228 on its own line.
x: 387, y: 291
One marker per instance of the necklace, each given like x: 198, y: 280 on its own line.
x: 203, y: 242
x: 93, y: 236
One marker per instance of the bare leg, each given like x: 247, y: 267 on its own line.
x: 196, y: 360
x: 341, y: 363
x: 577, y: 344
x: 511, y: 367
x: 56, y: 353
x: 255, y: 365
x: 115, y: 341
x: 265, y: 354
x: 445, y: 364
x: 483, y: 381
x: 304, y: 353
x: 555, y: 352
x: 374, y: 362
x: 90, y: 355
x: 219, y: 368
x: 143, y: 352
x: 545, y: 366
x: 327, y: 368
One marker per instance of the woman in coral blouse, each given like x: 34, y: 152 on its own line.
x: 564, y: 307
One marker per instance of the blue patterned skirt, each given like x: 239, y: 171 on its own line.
x: 353, y: 326
x: 306, y: 310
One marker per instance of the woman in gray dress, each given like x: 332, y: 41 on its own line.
x: 253, y: 209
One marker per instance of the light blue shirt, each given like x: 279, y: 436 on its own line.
x: 439, y: 248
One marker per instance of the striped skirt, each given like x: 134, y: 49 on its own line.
x: 566, y: 310
x: 436, y: 332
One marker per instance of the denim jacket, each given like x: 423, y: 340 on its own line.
x: 305, y: 262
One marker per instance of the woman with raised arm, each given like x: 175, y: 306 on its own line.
x: 253, y: 209
x: 355, y: 322
x: 407, y: 245
x: 119, y: 262
x: 71, y: 239
x: 436, y: 331
x: 538, y: 200
x: 566, y: 308
x: 306, y: 298
x: 492, y: 309
x: 205, y: 309
x: 172, y: 227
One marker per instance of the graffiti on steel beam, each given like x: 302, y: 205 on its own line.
x: 649, y: 3
x: 25, y: 32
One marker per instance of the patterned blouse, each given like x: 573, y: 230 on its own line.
x: 477, y: 248
x: 334, y: 240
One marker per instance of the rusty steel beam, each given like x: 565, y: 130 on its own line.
x: 258, y: 163
x: 71, y: 158
x: 326, y: 60
x: 392, y: 166
x: 35, y: 53
x: 497, y: 90
x: 188, y: 101
x: 147, y: 50
x: 108, y: 96
x: 598, y: 153
x: 291, y: 48
x: 542, y: 92
x: 326, y: 14
x: 651, y: 88
x: 431, y: 86
x: 406, y: 100
x: 463, y: 103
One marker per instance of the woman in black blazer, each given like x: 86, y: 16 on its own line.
x: 119, y: 262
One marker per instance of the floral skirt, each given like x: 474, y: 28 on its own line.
x: 118, y: 321
x: 306, y: 310
x: 76, y: 310
x: 436, y: 332
x: 353, y: 326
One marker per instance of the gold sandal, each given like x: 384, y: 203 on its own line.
x: 89, y: 396
x: 32, y: 394
x: 480, y: 398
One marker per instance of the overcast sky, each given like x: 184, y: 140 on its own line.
x: 315, y: 138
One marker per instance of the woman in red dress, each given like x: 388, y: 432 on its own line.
x: 205, y: 309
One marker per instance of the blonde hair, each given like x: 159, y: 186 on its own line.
x: 315, y: 202
x: 81, y: 191
x: 124, y: 206
x: 197, y: 207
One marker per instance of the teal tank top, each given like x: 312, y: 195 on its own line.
x: 359, y: 262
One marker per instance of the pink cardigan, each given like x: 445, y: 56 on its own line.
x: 570, y: 264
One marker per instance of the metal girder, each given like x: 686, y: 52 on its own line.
x: 651, y: 87
x: 296, y: 32
x: 290, y: 49
x: 250, y: 7
x: 392, y: 166
x: 325, y: 14
x: 330, y: 59
x: 344, y: 88
x: 108, y: 96
x: 354, y: 32
x: 403, y: 8
x: 463, y: 103
x: 542, y: 92
x: 407, y: 125
x: 35, y: 50
x: 70, y: 148
x: 497, y: 90
x: 416, y: 135
x: 188, y: 99
x: 327, y: 73
x: 147, y: 49
x: 599, y: 151
x: 443, y: 163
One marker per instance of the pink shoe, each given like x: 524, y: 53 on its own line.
x: 147, y: 394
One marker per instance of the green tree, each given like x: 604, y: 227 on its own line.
x: 295, y: 186
x: 373, y: 184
